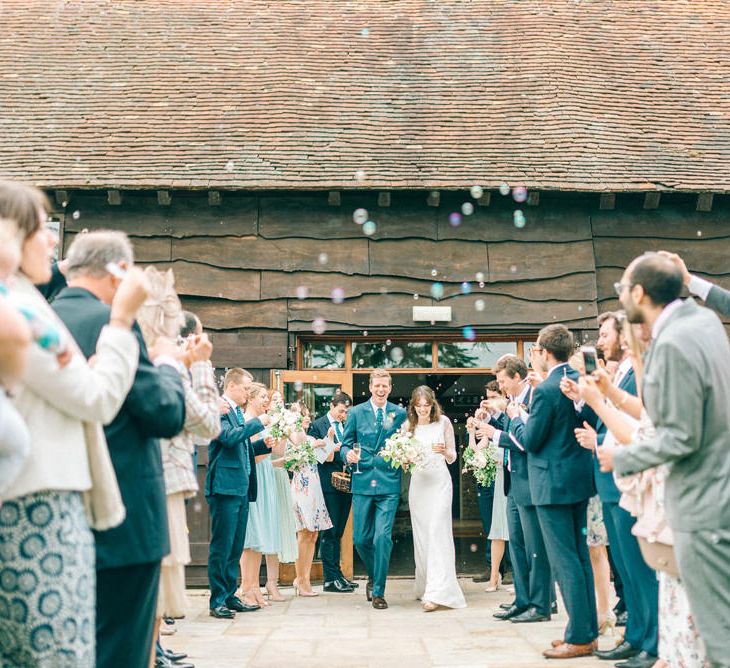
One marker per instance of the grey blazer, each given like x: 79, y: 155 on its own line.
x: 686, y: 392
x: 719, y: 299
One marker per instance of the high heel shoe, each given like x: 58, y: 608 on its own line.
x: 273, y: 593
x: 298, y: 591
x: 256, y: 596
x: 493, y: 587
x: 607, y: 623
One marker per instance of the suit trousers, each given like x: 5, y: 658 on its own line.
x: 641, y: 587
x: 518, y: 556
x: 338, y: 506
x: 704, y: 564
x: 485, y: 500
x: 564, y: 532
x: 540, y: 583
x: 373, y: 517
x: 126, y: 606
x: 228, y: 519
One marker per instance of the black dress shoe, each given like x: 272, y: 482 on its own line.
x: 369, y: 590
x: 622, y: 618
x: 379, y: 603
x: 641, y: 660
x: 221, y: 612
x: 164, y: 662
x: 508, y: 614
x: 174, y: 656
x: 506, y: 606
x: 529, y: 615
x: 618, y: 653
x: 238, y: 605
x: 338, y: 587
x: 349, y: 583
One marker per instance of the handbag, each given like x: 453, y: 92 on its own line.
x: 342, y: 481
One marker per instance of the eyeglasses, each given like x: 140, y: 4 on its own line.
x: 619, y: 287
x: 536, y: 349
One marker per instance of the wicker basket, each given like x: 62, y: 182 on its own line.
x: 342, y: 481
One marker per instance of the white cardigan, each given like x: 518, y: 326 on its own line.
x: 56, y: 403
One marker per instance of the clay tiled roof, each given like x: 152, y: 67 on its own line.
x: 555, y: 94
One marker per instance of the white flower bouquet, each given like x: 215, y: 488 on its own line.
x: 284, y: 422
x: 402, y: 451
x: 482, y: 463
x: 299, y: 454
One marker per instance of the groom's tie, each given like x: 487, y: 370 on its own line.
x: 379, y: 418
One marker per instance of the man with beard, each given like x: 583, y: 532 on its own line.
x: 685, y: 390
x: 641, y: 589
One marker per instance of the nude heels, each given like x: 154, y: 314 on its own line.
x: 494, y: 587
x: 273, y: 593
x: 607, y: 623
x: 299, y: 592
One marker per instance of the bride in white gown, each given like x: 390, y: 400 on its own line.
x: 429, y: 500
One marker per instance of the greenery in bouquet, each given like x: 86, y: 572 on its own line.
x: 284, y: 422
x: 402, y: 451
x: 482, y: 463
x: 299, y: 454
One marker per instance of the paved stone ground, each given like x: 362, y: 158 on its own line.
x: 343, y: 630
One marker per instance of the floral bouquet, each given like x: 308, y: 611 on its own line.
x: 284, y: 422
x: 299, y: 453
x: 482, y: 463
x: 402, y: 451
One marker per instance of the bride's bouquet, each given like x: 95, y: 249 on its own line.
x: 482, y: 463
x: 299, y: 453
x: 284, y: 422
x: 402, y: 451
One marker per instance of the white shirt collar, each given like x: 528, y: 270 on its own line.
x: 664, y: 316
x: 330, y: 418
x: 375, y: 406
x: 521, y: 398
x: 233, y: 404
x: 622, y: 370
x: 557, y: 366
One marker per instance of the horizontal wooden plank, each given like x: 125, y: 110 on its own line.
x: 188, y: 214
x: 277, y: 285
x: 310, y: 216
x: 709, y: 256
x: 245, y: 349
x: 153, y: 249
x: 202, y: 280
x: 223, y: 314
x: 514, y: 261
x: 662, y: 223
x: 418, y: 258
x: 345, y: 256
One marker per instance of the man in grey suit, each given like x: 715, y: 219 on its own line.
x: 714, y: 296
x: 686, y: 392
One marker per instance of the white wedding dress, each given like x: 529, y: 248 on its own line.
x: 429, y: 500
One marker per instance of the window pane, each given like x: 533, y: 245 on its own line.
x: 396, y: 355
x: 477, y: 355
x: 323, y: 355
x: 316, y: 397
x: 528, y: 346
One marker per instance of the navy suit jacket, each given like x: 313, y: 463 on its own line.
x: 227, y: 455
x: 605, y: 484
x: 153, y: 409
x: 560, y: 470
x: 519, y: 485
x: 319, y: 429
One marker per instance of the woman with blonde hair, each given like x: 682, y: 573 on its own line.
x: 429, y: 499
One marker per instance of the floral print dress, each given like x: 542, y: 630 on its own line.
x: 310, y: 511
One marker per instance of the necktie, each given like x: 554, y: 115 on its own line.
x: 239, y: 415
x: 338, y: 431
x: 379, y: 418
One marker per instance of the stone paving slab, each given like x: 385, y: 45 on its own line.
x: 335, y: 630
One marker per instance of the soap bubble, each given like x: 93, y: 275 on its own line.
x: 481, y: 284
x: 519, y: 219
x: 230, y: 166
x: 513, y: 268
x: 319, y: 326
x: 360, y: 216
x: 373, y: 483
x: 504, y: 189
x: 473, y: 547
x: 580, y: 307
x: 76, y: 215
x: 388, y: 342
x: 364, y: 332
x: 298, y: 385
x: 519, y: 194
x: 699, y: 233
x: 360, y: 175
x: 365, y: 32
x: 323, y: 257
x: 465, y: 288
x: 338, y: 295
x: 369, y: 228
x: 479, y: 304
x: 415, y: 295
x: 434, y: 272
x: 467, y: 208
x: 302, y: 292
x: 437, y: 290
x: 476, y: 191
x: 455, y: 219
x: 469, y: 333
x: 479, y: 276
x: 397, y: 355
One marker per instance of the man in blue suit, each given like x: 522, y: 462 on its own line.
x: 641, y: 588
x: 230, y: 484
x: 561, y: 482
x: 376, y: 489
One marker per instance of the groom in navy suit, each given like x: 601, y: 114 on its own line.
x: 376, y: 489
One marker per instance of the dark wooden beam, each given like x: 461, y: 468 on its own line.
x: 334, y: 199
x: 384, y: 198
x: 434, y: 198
x: 533, y: 199
x: 114, y: 197
x: 214, y: 198
x: 164, y: 198
x: 62, y: 197
x: 651, y: 200
x: 704, y: 202
x: 608, y: 201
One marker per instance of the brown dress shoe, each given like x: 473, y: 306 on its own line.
x: 557, y: 643
x: 569, y: 651
x: 379, y: 603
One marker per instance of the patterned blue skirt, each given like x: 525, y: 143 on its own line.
x: 47, y: 582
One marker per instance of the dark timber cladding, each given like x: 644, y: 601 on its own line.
x: 238, y: 264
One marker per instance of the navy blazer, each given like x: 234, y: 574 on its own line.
x: 227, y: 456
x: 560, y: 470
x: 319, y: 429
x: 605, y: 483
x: 519, y: 478
x: 153, y: 409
